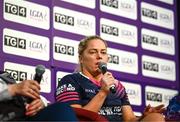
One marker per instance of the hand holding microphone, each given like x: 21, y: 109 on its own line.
x: 35, y: 105
x: 40, y: 69
x: 103, y: 67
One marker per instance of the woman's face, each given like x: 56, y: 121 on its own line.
x: 95, y: 52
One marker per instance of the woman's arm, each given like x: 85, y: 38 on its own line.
x: 95, y: 104
x: 128, y: 114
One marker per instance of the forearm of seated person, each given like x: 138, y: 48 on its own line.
x: 128, y: 114
x: 95, y: 104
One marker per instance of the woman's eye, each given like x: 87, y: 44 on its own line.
x: 104, y: 52
x: 92, y: 52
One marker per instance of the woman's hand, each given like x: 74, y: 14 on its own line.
x: 28, y: 88
x: 107, y: 81
x: 148, y: 110
x: 35, y: 106
x: 158, y: 109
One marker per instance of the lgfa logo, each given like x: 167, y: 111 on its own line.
x: 38, y: 15
x: 165, y: 17
x: 37, y: 46
x: 126, y: 61
x: 127, y: 34
x: 127, y: 6
x: 84, y: 24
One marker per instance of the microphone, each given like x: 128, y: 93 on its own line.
x: 40, y: 69
x: 103, y: 67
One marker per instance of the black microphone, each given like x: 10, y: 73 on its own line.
x: 40, y: 69
x: 103, y: 67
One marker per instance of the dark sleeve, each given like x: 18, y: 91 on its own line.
x: 68, y: 91
x: 4, y: 93
x: 5, y: 79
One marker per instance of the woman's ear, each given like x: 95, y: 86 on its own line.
x: 80, y: 59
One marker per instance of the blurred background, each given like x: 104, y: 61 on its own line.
x: 143, y: 39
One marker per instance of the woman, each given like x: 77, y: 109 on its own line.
x: 90, y: 88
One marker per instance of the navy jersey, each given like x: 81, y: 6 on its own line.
x: 78, y: 89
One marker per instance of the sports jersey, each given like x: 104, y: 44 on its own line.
x: 78, y: 89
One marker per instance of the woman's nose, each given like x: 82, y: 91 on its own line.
x: 99, y: 55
